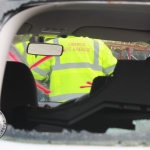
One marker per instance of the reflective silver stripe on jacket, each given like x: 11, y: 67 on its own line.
x: 18, y: 54
x: 65, y: 97
x: 109, y: 69
x: 22, y: 57
x: 40, y: 71
x: 25, y: 50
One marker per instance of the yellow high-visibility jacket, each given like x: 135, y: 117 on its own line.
x: 83, y: 59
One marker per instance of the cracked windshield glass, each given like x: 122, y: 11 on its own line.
x: 69, y: 76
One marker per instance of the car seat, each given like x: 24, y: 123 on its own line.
x: 18, y: 87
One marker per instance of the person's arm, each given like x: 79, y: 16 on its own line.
x: 108, y: 60
x: 41, y: 71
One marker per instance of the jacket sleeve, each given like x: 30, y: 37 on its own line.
x: 108, y: 60
x: 41, y: 71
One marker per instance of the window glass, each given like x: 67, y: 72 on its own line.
x: 44, y: 82
x: 129, y: 50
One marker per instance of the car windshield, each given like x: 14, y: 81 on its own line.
x: 119, y: 49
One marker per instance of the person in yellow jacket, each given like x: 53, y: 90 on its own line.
x: 83, y: 59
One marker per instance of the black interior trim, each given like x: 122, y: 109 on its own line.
x: 126, y: 22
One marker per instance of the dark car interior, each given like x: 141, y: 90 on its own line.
x: 114, y: 101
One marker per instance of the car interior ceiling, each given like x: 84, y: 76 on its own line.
x: 97, y: 111
x: 127, y: 23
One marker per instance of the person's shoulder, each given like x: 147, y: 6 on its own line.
x: 99, y: 40
x: 94, y: 39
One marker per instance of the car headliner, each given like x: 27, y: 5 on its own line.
x: 119, y: 21
x: 97, y: 20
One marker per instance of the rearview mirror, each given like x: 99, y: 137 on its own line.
x: 45, y: 49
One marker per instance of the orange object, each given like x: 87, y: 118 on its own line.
x: 87, y: 86
x: 40, y: 61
